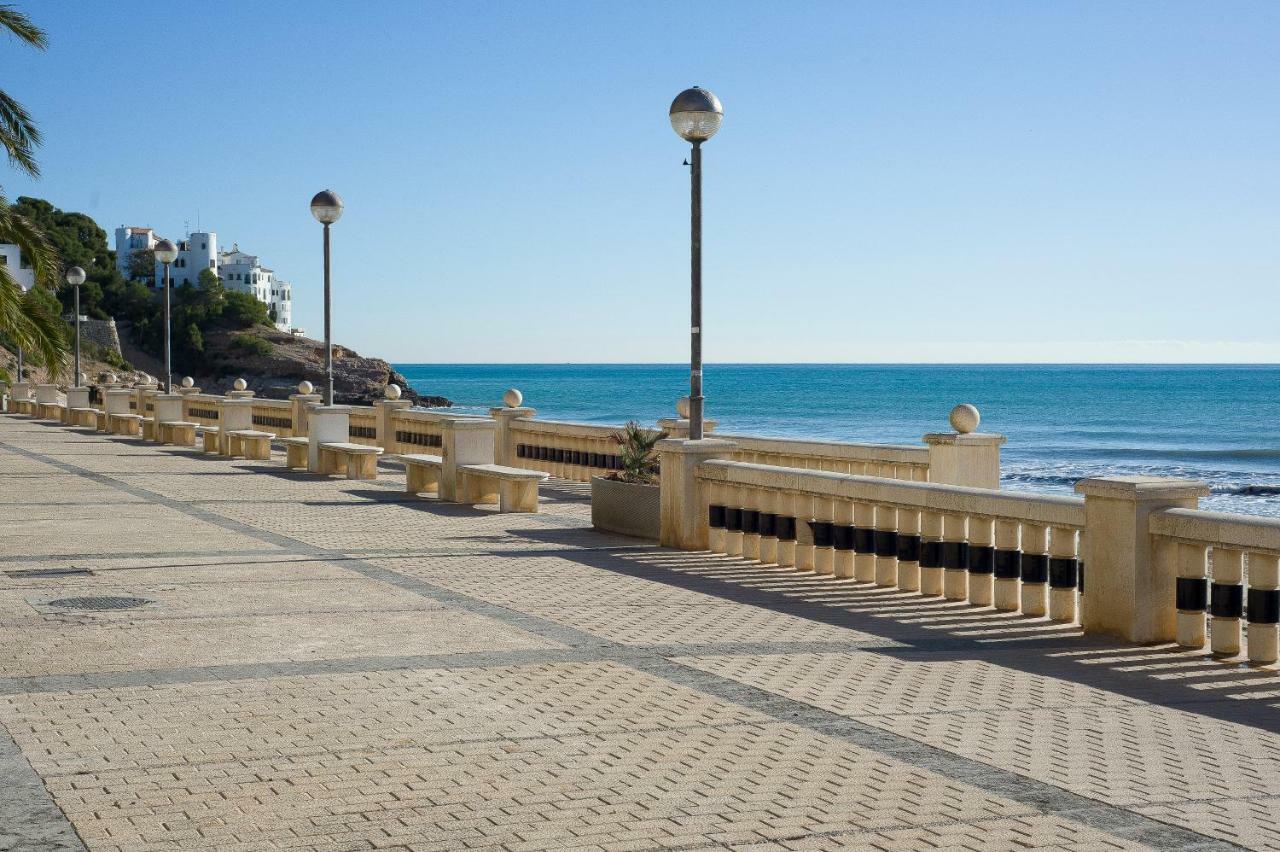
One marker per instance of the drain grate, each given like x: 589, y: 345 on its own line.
x: 100, y: 603
x: 19, y: 573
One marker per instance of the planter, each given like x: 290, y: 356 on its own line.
x: 627, y: 508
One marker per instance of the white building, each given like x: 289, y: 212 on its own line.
x: 20, y: 270
x: 244, y: 272
x: 238, y: 270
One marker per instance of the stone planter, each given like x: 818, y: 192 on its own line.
x: 627, y: 508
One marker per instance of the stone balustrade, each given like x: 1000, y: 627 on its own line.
x: 362, y: 425
x: 273, y: 415
x: 1227, y: 566
x: 574, y: 451
x: 1018, y: 552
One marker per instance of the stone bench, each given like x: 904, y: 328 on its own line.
x: 50, y: 410
x: 514, y: 489
x: 295, y: 452
x: 87, y: 417
x: 249, y: 443
x: 124, y: 424
x: 208, y: 438
x: 360, y: 461
x: 177, y: 432
x: 421, y: 472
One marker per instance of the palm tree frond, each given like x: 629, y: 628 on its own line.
x: 22, y: 27
x: 28, y: 322
x: 19, y: 134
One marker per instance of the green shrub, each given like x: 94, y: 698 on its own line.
x: 250, y: 345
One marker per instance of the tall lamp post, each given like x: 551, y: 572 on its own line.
x: 326, y: 206
x: 167, y: 253
x: 75, y: 277
x: 695, y: 116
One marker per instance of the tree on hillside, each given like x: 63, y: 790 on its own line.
x: 25, y: 320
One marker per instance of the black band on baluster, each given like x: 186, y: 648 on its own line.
x: 1008, y: 564
x: 768, y: 525
x: 931, y: 554
x: 842, y: 537
x: 1192, y: 594
x: 864, y: 540
x: 1062, y: 572
x: 1035, y: 567
x: 1264, y: 606
x: 955, y: 555
x: 751, y: 521
x: 1080, y: 577
x: 908, y: 548
x: 733, y: 519
x: 1226, y: 600
x: 823, y: 533
x: 715, y: 517
x: 522, y: 451
x: 886, y: 543
x: 982, y: 559
x: 786, y: 528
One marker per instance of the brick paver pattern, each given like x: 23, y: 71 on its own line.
x: 325, y: 664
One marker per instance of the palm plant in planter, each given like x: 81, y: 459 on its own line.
x: 628, y: 501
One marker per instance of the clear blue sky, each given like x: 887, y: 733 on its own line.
x: 944, y: 181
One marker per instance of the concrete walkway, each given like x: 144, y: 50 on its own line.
x: 322, y: 664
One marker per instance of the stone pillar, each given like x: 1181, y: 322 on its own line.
x: 683, y: 497
x: 21, y: 390
x: 504, y: 444
x: 326, y: 424
x: 964, y: 457
x: 46, y: 394
x: 383, y: 410
x: 465, y: 441
x: 1127, y: 593
x: 168, y: 407
x: 4, y: 395
x: 116, y: 400
x: 302, y: 404
x: 77, y: 398
x: 233, y: 414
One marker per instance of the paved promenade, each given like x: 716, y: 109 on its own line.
x: 323, y: 664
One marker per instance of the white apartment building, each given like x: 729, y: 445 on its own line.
x: 12, y: 259
x: 244, y: 272
x: 238, y: 270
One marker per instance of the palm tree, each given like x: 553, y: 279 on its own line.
x: 24, y: 318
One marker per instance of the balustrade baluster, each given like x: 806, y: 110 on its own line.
x: 1063, y: 574
x: 886, y: 540
x: 1035, y: 569
x: 864, y: 542
x: 1264, y: 607
x: 1226, y: 601
x: 931, y: 554
x: 769, y: 527
x: 909, y: 550
x: 955, y: 557
x: 824, y: 553
x: 982, y: 561
x: 843, y: 539
x: 1192, y: 594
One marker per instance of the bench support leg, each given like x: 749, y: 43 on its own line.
x: 295, y: 456
x: 362, y: 466
x: 258, y: 449
x: 516, y: 496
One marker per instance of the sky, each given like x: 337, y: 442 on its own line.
x: 893, y: 182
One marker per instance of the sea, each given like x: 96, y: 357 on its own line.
x: 1217, y: 423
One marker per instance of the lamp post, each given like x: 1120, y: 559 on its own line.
x: 75, y: 277
x: 167, y: 253
x: 326, y: 206
x: 695, y: 116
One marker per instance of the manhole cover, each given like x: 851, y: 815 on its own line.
x: 103, y: 602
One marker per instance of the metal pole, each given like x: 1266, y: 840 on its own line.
x: 20, y: 364
x: 76, y: 378
x: 168, y: 365
x: 328, y: 340
x: 695, y: 310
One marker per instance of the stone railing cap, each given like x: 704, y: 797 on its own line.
x: 1141, y: 487
x: 705, y: 445
x: 518, y: 411
x: 970, y: 438
x: 469, y: 423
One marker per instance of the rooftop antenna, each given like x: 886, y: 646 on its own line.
x: 186, y: 226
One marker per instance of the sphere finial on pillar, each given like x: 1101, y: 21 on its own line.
x: 965, y: 418
x: 188, y: 382
x: 512, y: 398
x: 392, y: 392
x: 305, y: 388
x: 682, y: 407
x: 240, y: 384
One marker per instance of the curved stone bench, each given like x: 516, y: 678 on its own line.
x: 208, y: 437
x: 514, y: 489
x: 249, y: 443
x: 295, y: 452
x: 359, y: 460
x: 177, y: 432
x: 125, y: 424
x: 421, y: 472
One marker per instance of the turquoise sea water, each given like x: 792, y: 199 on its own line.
x: 1217, y: 423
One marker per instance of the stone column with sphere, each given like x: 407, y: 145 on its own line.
x: 384, y: 410
x: 301, y: 403
x: 965, y: 456
x: 504, y: 445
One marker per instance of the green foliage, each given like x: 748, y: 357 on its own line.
x: 250, y: 345
x: 244, y: 311
x: 636, y: 450
x: 105, y: 354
